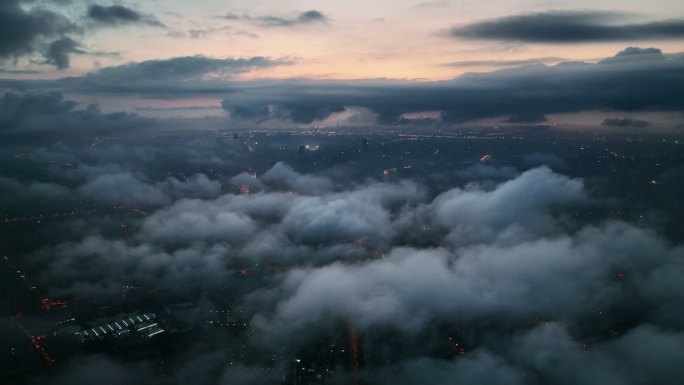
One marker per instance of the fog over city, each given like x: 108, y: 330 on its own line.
x: 305, y: 193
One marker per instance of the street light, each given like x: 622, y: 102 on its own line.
x: 297, y: 361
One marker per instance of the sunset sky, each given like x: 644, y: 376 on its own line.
x: 353, y: 43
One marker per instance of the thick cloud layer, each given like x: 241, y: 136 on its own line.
x: 32, y: 116
x: 569, y: 27
x: 558, y: 278
x: 633, y: 80
x: 525, y: 94
x: 498, y: 263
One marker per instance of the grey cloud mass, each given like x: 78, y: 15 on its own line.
x: 523, y: 94
x: 58, y: 52
x: 22, y: 31
x: 118, y: 14
x: 636, y: 79
x: 282, y: 174
x: 492, y: 258
x: 555, y: 27
x: 31, y: 117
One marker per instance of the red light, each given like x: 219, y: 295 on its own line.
x: 47, y: 304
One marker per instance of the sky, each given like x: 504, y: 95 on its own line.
x: 238, y: 59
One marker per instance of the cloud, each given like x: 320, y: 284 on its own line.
x: 524, y: 94
x: 611, y: 362
x: 519, y: 95
x: 308, y: 17
x: 549, y: 159
x: 198, y: 185
x: 633, y: 54
x: 283, y: 175
x: 19, y: 72
x: 23, y: 30
x: 568, y: 27
x: 504, y: 63
x: 97, y: 267
x: 59, y: 50
x: 519, y: 207
x: 122, y: 188
x: 499, y: 261
x: 625, y: 122
x: 177, y: 69
x: 193, y: 220
x: 33, y: 193
x: 320, y: 221
x: 118, y: 14
x: 32, y: 117
x: 561, y: 278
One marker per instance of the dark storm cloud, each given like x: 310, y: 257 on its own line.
x: 569, y: 27
x: 59, y: 50
x: 625, y: 122
x: 22, y: 30
x: 524, y: 94
x: 113, y: 14
x: 633, y: 80
x: 27, y: 28
x: 308, y: 17
x: 118, y: 14
x: 47, y: 116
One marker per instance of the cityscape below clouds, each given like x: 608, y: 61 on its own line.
x: 299, y: 192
